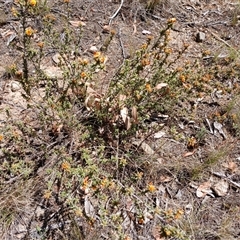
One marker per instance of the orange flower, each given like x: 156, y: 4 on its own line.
x: 96, y: 55
x: 1, y: 137
x: 83, y: 61
x: 151, y: 187
x: 40, y: 44
x: 144, y: 46
x: 145, y: 62
x: 29, y: 31
x: 104, y: 182
x: 32, y: 3
x: 66, y: 166
x: 148, y: 87
x: 102, y: 59
x: 182, y: 78
x: 171, y: 20
x: 179, y: 214
x: 83, y: 74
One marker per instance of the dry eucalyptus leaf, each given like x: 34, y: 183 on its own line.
x: 134, y: 114
x: 232, y: 166
x: 187, y: 154
x: 124, y: 114
x: 221, y: 188
x: 165, y: 178
x: 161, y: 85
x: 204, y: 189
x: 219, y: 126
x: 88, y: 207
x: 126, y: 119
x: 128, y: 123
x: 122, y: 98
x: 77, y: 23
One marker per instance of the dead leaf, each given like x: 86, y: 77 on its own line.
x: 128, y: 123
x: 92, y: 102
x: 221, y: 188
x: 187, y: 154
x: 161, y: 85
x: 134, y: 114
x: 165, y: 179
x: 124, y: 114
x: 204, y: 189
x: 126, y: 119
x: 77, y: 23
x: 122, y: 98
x: 231, y: 166
x: 218, y: 126
x: 88, y: 207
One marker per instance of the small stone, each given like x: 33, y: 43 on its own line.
x: 221, y: 188
x: 57, y: 58
x: 146, y: 32
x: 201, y: 36
x: 2, y: 71
x: 15, y: 86
x: 93, y: 49
x: 106, y: 29
x: 52, y: 72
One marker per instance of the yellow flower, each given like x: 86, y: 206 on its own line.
x: 32, y: 3
x: 66, y: 166
x: 151, y: 187
x: 29, y: 31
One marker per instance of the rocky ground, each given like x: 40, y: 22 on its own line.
x: 211, y: 203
